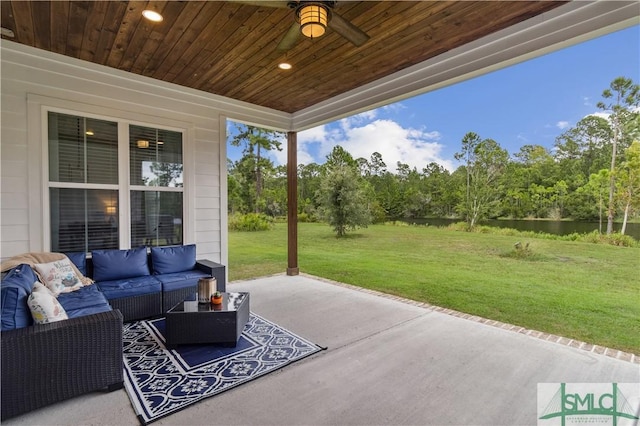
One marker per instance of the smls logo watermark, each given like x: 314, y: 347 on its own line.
x: 561, y: 404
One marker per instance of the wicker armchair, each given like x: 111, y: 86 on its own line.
x: 46, y: 363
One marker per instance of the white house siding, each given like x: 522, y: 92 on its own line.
x: 31, y: 78
x: 14, y: 218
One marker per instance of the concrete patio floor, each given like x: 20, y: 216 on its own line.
x: 388, y: 363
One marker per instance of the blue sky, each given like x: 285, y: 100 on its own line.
x: 529, y: 103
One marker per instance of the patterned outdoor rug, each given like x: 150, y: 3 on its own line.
x: 160, y: 381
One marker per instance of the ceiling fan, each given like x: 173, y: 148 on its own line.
x: 311, y: 19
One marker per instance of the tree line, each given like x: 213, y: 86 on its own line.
x: 592, y: 173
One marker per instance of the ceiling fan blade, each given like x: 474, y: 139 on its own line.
x: 290, y: 38
x: 347, y: 30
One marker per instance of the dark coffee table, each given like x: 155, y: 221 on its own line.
x: 190, y: 322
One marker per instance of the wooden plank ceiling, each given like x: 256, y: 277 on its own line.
x: 229, y: 48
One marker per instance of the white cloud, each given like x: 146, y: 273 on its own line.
x: 362, y: 135
x: 586, y: 101
x: 607, y: 114
x: 363, y: 117
x: 600, y: 114
x: 367, y: 115
x: 316, y: 134
x: 415, y: 147
x: 562, y: 125
x: 305, y: 138
x: 394, y: 108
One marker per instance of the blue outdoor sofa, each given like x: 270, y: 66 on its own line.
x: 142, y: 284
x: 45, y: 363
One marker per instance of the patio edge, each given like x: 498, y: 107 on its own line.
x: 577, y: 344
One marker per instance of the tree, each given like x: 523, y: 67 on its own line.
x: 586, y: 145
x: 486, y: 161
x: 342, y: 199
x: 529, y: 179
x: 165, y: 174
x: 308, y: 184
x: 434, y: 186
x: 377, y: 165
x: 338, y: 158
x: 625, y: 97
x: 469, y: 143
x: 363, y: 167
x: 597, y: 186
x: 558, y: 196
x: 274, y: 193
x: 629, y: 182
x: 540, y: 197
x: 255, y: 140
x: 244, y: 172
x: 384, y: 189
x: 234, y: 189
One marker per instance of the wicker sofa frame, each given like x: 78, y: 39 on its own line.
x: 47, y: 363
x: 156, y: 304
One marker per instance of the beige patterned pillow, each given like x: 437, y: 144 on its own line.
x: 59, y: 276
x: 44, y: 306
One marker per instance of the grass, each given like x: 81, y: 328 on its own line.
x: 579, y: 290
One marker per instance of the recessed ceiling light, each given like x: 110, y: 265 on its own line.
x: 152, y: 15
x: 89, y: 132
x: 285, y: 66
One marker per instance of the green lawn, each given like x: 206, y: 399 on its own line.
x: 583, y: 291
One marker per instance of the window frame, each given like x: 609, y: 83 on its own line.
x: 124, y: 188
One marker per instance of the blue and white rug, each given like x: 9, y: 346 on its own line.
x: 161, y: 381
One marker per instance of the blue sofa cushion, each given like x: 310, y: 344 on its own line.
x: 167, y: 260
x: 180, y: 280
x: 86, y: 301
x: 109, y: 265
x: 80, y: 260
x: 129, y: 287
x: 15, y: 290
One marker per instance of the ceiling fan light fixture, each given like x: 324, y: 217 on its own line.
x: 314, y: 18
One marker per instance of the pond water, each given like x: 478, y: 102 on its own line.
x: 556, y: 227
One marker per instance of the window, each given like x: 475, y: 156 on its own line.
x: 83, y: 183
x: 81, y: 220
x: 155, y: 170
x: 85, y: 195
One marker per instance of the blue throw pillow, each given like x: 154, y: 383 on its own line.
x: 15, y: 290
x: 118, y: 264
x: 80, y: 260
x: 168, y: 260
